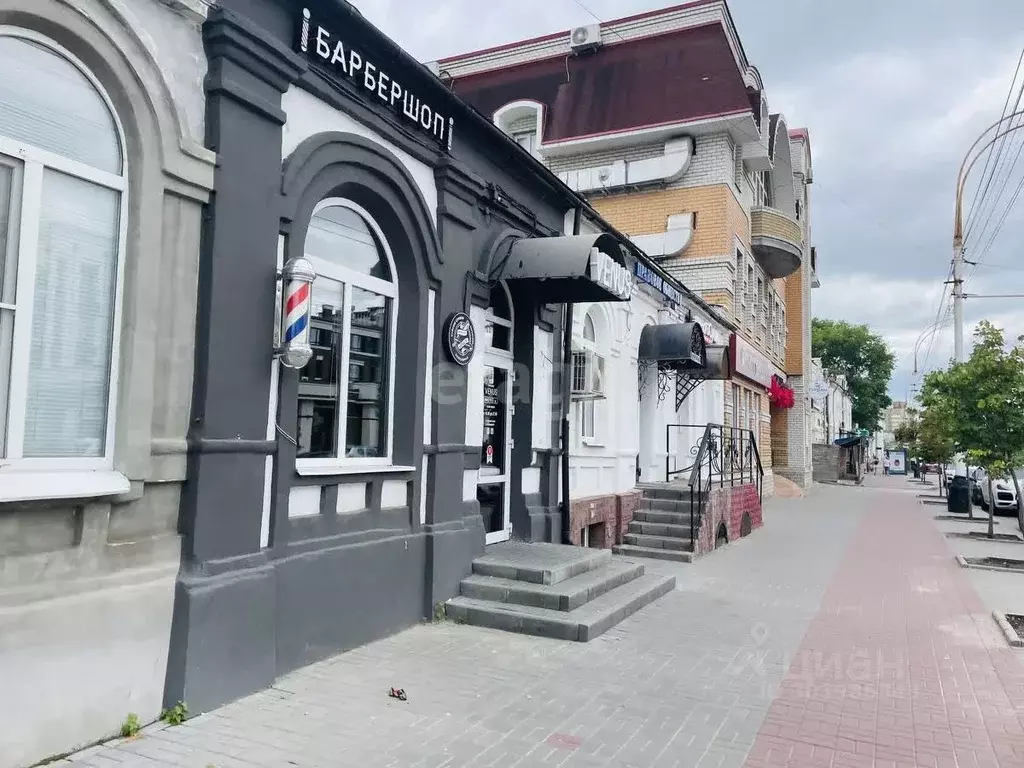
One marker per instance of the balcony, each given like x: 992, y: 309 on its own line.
x: 777, y: 241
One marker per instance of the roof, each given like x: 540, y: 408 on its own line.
x: 564, y: 34
x: 680, y: 76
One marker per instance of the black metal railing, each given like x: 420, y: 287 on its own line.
x: 721, y: 456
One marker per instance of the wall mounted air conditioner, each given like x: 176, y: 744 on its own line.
x: 585, y: 38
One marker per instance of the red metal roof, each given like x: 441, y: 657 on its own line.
x: 678, y: 76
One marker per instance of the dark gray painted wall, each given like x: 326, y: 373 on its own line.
x: 243, y: 614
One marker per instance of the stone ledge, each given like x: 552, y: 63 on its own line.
x: 1008, y: 631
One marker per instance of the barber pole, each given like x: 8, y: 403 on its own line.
x: 298, y: 275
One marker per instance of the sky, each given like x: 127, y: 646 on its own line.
x: 893, y: 94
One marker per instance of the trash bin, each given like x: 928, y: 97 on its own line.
x: 958, y: 495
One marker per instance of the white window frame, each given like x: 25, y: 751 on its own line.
x: 588, y: 347
x: 33, y: 163
x: 352, y: 278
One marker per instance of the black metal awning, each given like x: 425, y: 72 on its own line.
x: 846, y: 442
x: 678, y: 346
x: 570, y: 269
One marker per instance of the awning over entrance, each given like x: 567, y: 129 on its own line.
x: 846, y: 442
x: 575, y: 268
x: 679, y: 346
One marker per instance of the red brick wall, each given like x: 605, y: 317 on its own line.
x: 728, y: 505
x: 592, y: 511
x: 627, y: 505
x: 615, y: 511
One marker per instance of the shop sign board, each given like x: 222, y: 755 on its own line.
x: 459, y: 338
x: 327, y: 47
x: 610, y: 275
x: 646, y: 274
x: 751, y: 364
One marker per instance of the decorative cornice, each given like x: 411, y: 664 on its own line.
x: 228, y: 36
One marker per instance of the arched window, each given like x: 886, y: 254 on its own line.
x: 498, y: 321
x: 62, y: 224
x: 346, y: 389
x: 588, y: 378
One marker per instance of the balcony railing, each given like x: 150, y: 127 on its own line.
x: 777, y: 241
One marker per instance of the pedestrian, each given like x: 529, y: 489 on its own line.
x: 885, y: 466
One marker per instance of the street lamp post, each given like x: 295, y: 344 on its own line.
x: 958, y: 235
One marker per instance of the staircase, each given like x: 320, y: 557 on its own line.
x: 660, y: 527
x: 563, y: 592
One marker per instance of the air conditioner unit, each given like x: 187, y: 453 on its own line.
x: 587, y: 376
x: 585, y: 38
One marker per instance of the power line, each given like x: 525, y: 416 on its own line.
x: 979, y: 199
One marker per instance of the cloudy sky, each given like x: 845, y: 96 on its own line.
x: 893, y: 94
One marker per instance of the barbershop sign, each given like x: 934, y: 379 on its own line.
x: 647, y: 275
x: 325, y: 47
x: 610, y: 275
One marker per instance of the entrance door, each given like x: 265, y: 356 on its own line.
x: 492, y: 490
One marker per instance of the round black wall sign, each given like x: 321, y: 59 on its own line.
x: 459, y: 338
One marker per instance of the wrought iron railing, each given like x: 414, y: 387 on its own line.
x: 720, y: 456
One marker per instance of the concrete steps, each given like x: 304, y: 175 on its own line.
x: 675, y: 555
x: 563, y: 592
x: 658, y: 542
x: 660, y: 527
x: 664, y: 518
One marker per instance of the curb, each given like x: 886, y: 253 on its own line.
x: 962, y: 561
x: 1009, y: 632
x: 969, y: 537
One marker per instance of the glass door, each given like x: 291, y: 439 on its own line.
x: 492, y: 491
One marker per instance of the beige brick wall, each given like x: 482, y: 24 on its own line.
x: 773, y: 224
x: 795, y: 323
x: 719, y: 215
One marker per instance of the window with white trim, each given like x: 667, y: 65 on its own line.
x: 63, y: 189
x: 527, y: 140
x: 346, y: 390
x: 588, y: 380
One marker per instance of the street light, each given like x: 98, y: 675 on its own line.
x: 958, y: 236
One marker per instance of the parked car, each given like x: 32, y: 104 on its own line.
x: 1005, y: 494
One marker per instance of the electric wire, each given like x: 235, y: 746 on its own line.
x: 994, y: 152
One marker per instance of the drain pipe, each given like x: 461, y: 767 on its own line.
x: 567, y: 397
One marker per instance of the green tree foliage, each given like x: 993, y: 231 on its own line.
x: 980, y: 402
x: 934, y: 443
x: 866, y: 361
x: 906, y: 433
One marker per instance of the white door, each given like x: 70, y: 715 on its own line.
x: 492, y: 490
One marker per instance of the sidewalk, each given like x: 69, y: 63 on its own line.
x: 841, y: 634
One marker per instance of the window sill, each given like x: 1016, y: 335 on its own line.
x: 38, y: 485
x: 591, y: 443
x: 350, y: 469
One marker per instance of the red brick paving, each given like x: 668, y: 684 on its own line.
x: 903, y: 665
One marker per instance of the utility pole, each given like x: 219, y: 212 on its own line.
x: 958, y: 229
x: 958, y: 298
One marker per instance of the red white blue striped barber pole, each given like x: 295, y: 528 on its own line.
x: 297, y: 276
x: 296, y: 310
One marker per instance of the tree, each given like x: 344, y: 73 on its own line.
x: 934, y: 442
x: 864, y: 358
x: 981, y: 402
x: 906, y: 433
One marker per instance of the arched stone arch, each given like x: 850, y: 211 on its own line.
x: 783, y: 191
x: 104, y: 38
x: 343, y: 165
x: 336, y: 164
x: 162, y: 157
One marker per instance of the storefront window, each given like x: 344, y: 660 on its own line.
x: 62, y: 185
x: 347, y: 416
